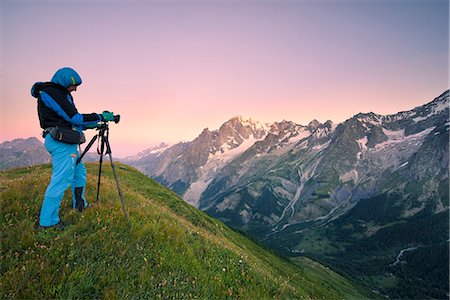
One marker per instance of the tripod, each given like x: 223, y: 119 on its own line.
x: 105, y: 148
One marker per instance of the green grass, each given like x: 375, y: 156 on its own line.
x: 313, y: 242
x: 318, y: 272
x: 168, y: 250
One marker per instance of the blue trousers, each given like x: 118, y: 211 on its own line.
x: 65, y: 173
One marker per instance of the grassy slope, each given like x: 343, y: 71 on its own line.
x: 169, y: 250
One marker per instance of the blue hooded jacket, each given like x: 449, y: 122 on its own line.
x: 55, y: 104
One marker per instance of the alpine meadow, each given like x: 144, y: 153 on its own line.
x: 167, y: 250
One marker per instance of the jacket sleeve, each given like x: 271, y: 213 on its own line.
x: 68, y: 112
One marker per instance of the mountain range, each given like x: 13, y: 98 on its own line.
x: 368, y: 196
x: 22, y: 153
x: 320, y: 167
x: 29, y: 152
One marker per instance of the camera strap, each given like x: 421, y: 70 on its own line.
x: 101, y: 150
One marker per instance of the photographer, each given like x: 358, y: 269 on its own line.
x: 63, y: 132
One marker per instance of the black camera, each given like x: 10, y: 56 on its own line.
x: 116, y: 118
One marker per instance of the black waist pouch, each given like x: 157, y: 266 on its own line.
x: 66, y: 135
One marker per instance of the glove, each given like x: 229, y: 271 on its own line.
x: 107, y: 116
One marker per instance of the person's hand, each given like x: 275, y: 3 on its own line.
x: 107, y: 116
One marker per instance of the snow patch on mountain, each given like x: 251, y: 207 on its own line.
x: 228, y: 153
x: 370, y: 118
x: 393, y: 135
x: 256, y: 125
x: 403, y: 146
x: 322, y: 146
x: 214, y: 164
x: 153, y: 151
x: 362, y: 143
x: 396, y: 137
x: 302, y: 134
x: 436, y: 109
x: 195, y: 190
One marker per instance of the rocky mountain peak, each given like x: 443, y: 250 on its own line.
x: 156, y: 148
x: 314, y: 124
x: 369, y: 118
x: 284, y: 127
x: 328, y: 123
x: 205, y: 131
x: 239, y: 128
x: 238, y: 121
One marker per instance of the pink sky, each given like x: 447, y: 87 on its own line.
x: 172, y: 68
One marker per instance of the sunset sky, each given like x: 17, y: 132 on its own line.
x: 172, y: 68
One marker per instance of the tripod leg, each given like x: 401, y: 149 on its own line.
x: 100, y: 167
x: 86, y: 149
x: 108, y: 147
x: 99, y: 177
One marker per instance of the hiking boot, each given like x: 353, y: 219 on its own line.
x: 59, y: 226
x: 78, y: 194
x: 81, y: 208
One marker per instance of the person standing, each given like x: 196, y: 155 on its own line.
x: 63, y: 129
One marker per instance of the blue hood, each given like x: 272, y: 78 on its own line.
x: 66, y: 77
